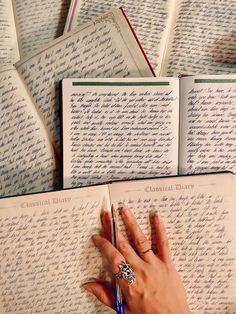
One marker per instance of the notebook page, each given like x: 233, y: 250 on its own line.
x: 208, y: 124
x: 105, y: 47
x: 199, y: 214
x: 9, y: 51
x: 119, y: 129
x: 39, y: 22
x: 204, y: 40
x: 27, y: 162
x: 47, y: 252
x: 149, y: 19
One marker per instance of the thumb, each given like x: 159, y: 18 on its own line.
x: 101, y: 292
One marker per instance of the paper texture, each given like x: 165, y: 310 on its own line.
x: 199, y: 214
x: 39, y: 22
x: 208, y: 124
x: 9, y: 52
x: 204, y: 39
x: 119, y: 129
x: 47, y: 252
x: 27, y: 162
x: 105, y: 47
x: 148, y: 18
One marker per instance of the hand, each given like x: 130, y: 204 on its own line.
x: 157, y: 288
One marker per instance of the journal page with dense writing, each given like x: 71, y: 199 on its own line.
x: 199, y: 214
x: 116, y: 129
x: 150, y: 20
x: 47, y: 252
x: 9, y: 50
x: 39, y: 22
x: 204, y: 39
x: 207, y: 124
x: 27, y: 162
x: 104, y: 47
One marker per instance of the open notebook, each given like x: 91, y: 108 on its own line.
x: 116, y: 129
x: 47, y: 253
x: 27, y: 25
x: 179, y: 36
x: 30, y: 111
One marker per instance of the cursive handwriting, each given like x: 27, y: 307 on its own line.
x: 39, y: 22
x: 47, y: 254
x: 120, y: 133
x: 27, y: 161
x: 210, y: 142
x: 9, y: 52
x: 147, y: 17
x: 204, y: 38
x: 200, y: 225
x: 98, y: 49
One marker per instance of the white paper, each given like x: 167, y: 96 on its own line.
x: 208, y: 124
x: 119, y: 129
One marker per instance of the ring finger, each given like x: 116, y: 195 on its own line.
x: 142, y: 244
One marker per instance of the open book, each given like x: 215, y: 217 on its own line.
x: 120, y: 129
x: 30, y: 114
x: 27, y: 161
x: 47, y: 253
x: 179, y: 36
x: 27, y: 25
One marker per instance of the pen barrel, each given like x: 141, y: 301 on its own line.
x: 117, y: 304
x: 117, y: 292
x: 122, y: 309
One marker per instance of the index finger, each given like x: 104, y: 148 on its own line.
x: 114, y: 257
x: 123, y: 245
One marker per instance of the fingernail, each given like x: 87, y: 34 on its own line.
x: 95, y: 238
x: 105, y: 215
x: 86, y: 287
x: 154, y: 214
x: 126, y: 212
x: 161, y: 220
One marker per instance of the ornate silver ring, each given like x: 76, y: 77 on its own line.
x: 126, y: 272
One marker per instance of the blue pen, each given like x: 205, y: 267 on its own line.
x: 118, y: 301
x: 117, y: 292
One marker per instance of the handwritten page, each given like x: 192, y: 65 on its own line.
x: 105, y: 47
x: 204, y: 40
x: 119, y: 129
x: 47, y: 252
x: 208, y: 124
x: 199, y: 214
x: 39, y: 22
x: 9, y: 52
x: 149, y: 19
x: 27, y: 162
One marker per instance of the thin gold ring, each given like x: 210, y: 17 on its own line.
x: 142, y: 253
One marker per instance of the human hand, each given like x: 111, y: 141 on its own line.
x: 157, y: 288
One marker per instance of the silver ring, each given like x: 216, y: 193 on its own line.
x: 126, y: 272
x: 142, y: 253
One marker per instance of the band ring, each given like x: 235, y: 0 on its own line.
x: 126, y: 272
x: 142, y: 253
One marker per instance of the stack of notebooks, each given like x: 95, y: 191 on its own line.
x: 132, y: 106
